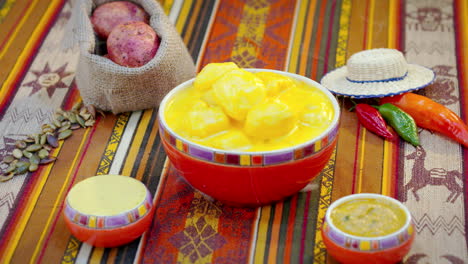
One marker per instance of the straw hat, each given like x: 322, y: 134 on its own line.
x: 377, y: 73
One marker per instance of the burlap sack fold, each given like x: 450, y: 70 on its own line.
x: 115, y: 88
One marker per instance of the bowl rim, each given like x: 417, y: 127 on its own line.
x: 330, y: 128
x: 368, y: 195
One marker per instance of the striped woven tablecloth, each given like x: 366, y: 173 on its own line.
x: 308, y: 37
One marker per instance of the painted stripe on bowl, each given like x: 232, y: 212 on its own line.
x: 107, y: 222
x: 246, y: 159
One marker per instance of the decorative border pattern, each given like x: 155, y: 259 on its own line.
x: 368, y: 244
x: 109, y: 222
x: 247, y: 159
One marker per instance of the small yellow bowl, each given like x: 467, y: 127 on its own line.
x: 108, y: 210
x: 348, y: 246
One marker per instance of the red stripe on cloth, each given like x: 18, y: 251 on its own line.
x: 31, y: 55
x: 70, y: 184
x: 356, y: 158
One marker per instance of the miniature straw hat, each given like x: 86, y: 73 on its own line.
x: 377, y: 73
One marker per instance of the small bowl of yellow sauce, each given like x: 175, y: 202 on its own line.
x: 368, y: 228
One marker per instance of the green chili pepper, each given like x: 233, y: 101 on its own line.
x: 403, y: 123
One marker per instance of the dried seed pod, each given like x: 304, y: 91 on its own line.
x: 64, y: 134
x: 21, y: 163
x: 47, y: 147
x: 43, y: 139
x: 22, y: 169
x: 20, y: 144
x: 52, y: 140
x: 17, y: 153
x: 29, y: 139
x: 57, y: 122
x: 8, y: 177
x: 64, y: 127
x: 59, y: 111
x: 37, y: 138
x: 27, y: 154
x: 8, y: 159
x: 33, y: 167
x: 89, y: 123
x: 10, y: 168
x: 75, y: 126
x: 34, y: 159
x: 72, y: 117
x: 48, y: 130
x: 53, y: 127
x: 43, y: 153
x: 33, y: 148
x: 47, y: 160
x: 80, y: 120
x: 77, y: 106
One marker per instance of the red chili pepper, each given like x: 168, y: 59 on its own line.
x: 431, y: 115
x: 371, y: 119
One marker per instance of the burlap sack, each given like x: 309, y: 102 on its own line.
x: 115, y: 88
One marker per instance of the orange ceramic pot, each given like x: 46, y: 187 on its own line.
x: 350, y: 249
x: 249, y: 178
x: 109, y: 230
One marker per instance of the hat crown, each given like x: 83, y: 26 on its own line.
x: 376, y: 65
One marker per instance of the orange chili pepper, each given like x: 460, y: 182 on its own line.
x: 431, y: 115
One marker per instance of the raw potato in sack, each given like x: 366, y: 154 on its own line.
x: 111, y: 87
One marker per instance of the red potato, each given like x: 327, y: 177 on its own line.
x: 132, y: 44
x: 109, y: 15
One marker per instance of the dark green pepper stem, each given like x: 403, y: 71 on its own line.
x: 403, y: 123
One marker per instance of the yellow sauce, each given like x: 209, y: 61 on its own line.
x: 368, y: 217
x: 106, y: 195
x: 247, y: 111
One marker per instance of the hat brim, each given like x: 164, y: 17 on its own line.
x: 418, y: 77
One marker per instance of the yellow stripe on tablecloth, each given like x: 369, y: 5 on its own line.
x: 340, y: 57
x: 388, y: 146
x: 362, y: 149
x: 104, y: 165
x: 96, y: 256
x: 18, y: 28
x: 9, y: 250
x: 262, y: 233
x: 136, y: 143
x: 183, y: 15
x: 59, y: 196
x: 326, y: 185
x: 299, y: 22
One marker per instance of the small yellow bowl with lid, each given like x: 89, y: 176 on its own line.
x: 368, y: 228
x: 108, y: 210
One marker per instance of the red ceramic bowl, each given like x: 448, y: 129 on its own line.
x: 352, y: 249
x: 249, y: 178
x: 108, y: 230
